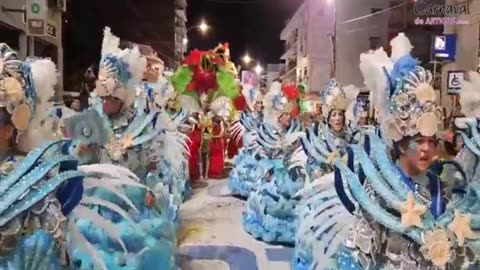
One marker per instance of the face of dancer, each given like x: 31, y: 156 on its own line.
x: 459, y: 143
x: 284, y: 120
x: 363, y: 121
x: 111, y: 106
x: 258, y: 106
x: 171, y: 103
x: 337, y: 120
x: 417, y: 154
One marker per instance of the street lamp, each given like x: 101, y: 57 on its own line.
x: 246, y: 59
x: 203, y: 26
x: 258, y: 69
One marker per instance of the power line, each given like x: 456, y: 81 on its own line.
x: 377, y: 13
x: 233, y: 2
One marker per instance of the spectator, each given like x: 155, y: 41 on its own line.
x: 76, y: 106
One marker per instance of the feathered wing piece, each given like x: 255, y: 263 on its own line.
x: 172, y: 144
x: 111, y: 178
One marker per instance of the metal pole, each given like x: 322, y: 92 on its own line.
x: 333, y: 39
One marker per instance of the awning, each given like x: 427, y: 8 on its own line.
x: 289, y: 53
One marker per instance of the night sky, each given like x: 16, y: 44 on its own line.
x: 248, y: 25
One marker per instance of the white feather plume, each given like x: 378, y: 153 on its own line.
x: 373, y: 66
x: 44, y: 75
x: 189, y: 104
x: 470, y: 97
x: 351, y: 93
x: 221, y: 106
x: 401, y: 46
x: 136, y: 65
x: 111, y: 43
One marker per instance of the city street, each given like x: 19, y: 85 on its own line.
x: 212, y: 236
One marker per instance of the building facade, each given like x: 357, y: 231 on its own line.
x: 13, y: 32
x: 318, y: 25
x: 273, y: 73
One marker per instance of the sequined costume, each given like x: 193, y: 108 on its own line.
x: 243, y: 179
x: 44, y: 189
x: 270, y: 213
x: 403, y: 222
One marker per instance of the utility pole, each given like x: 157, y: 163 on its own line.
x: 333, y: 41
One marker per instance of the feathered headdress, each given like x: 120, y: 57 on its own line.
x: 252, y: 95
x: 25, y: 92
x: 205, y: 73
x: 158, y: 93
x: 275, y: 103
x: 337, y: 97
x: 121, y: 71
x: 401, y: 91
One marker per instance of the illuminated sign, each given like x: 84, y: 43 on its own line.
x: 444, y: 46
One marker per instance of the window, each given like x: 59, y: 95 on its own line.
x: 374, y: 43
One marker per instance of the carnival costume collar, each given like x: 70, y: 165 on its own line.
x: 402, y: 92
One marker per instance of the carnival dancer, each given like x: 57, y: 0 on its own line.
x: 468, y: 130
x: 170, y: 164
x: 133, y: 138
x: 246, y: 171
x: 405, y: 216
x: 322, y: 144
x: 270, y: 213
x: 220, y: 109
x: 44, y: 190
x: 204, y: 78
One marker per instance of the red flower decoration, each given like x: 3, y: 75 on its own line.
x: 194, y: 58
x: 290, y: 91
x: 203, y: 81
x: 240, y: 103
x: 295, y: 111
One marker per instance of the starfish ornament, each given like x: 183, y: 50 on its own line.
x: 412, y: 212
x: 127, y: 141
x: 331, y: 157
x: 460, y: 226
